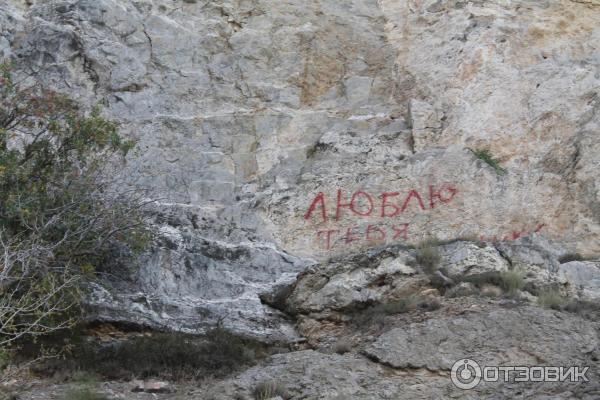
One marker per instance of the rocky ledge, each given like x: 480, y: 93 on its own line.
x: 390, y: 323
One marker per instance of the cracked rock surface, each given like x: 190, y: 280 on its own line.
x: 301, y: 150
x: 246, y: 111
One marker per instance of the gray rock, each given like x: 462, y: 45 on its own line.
x: 315, y: 375
x: 412, y: 361
x: 352, y: 283
x: 425, y: 123
x: 152, y: 386
x: 468, y: 259
x: 522, y: 336
x: 583, y: 278
x: 244, y: 111
x: 192, y: 284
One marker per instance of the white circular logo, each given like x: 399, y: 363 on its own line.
x: 465, y: 374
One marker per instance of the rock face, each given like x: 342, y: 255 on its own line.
x: 200, y: 283
x: 584, y: 277
x: 276, y: 133
x: 331, y: 376
x: 351, y: 283
x: 355, y: 282
x: 300, y: 150
x: 413, y: 361
x: 499, y: 336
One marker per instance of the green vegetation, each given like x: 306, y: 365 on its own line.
x: 64, y: 214
x: 7, y: 395
x: 551, y: 298
x: 268, y: 390
x: 4, y: 359
x: 171, y: 356
x: 428, y: 255
x: 512, y: 281
x: 486, y: 156
x: 312, y: 150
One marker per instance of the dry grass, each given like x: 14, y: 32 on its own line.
x: 512, y: 281
x: 428, y: 255
x: 171, y: 356
x: 551, y: 298
x: 270, y: 389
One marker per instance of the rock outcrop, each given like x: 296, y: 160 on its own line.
x: 414, y: 361
x: 322, y: 129
x: 300, y: 154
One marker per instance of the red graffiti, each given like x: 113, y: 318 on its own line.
x: 319, y: 199
x: 330, y: 238
x: 391, y: 204
x: 327, y: 237
x: 371, y: 229
x: 513, y: 235
x: 437, y: 194
x: 352, y: 204
x: 400, y: 232
x: 351, y: 235
x: 384, y: 204
x: 411, y: 194
x: 539, y: 227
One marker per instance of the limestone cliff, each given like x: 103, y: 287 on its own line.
x: 281, y: 134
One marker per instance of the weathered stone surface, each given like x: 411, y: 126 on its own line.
x: 314, y: 375
x: 413, y: 361
x: 355, y: 282
x: 293, y: 137
x: 386, y: 275
x: 424, y: 122
x: 245, y: 111
x: 465, y: 259
x: 193, y: 283
x: 523, y: 336
x: 583, y: 278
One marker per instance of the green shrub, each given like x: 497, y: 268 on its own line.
x: 512, y: 281
x: 486, y: 156
x: 4, y: 359
x: 270, y: 389
x: 551, y: 298
x: 428, y: 255
x: 64, y: 215
x: 7, y: 395
x: 160, y: 355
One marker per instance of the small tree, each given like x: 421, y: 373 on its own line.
x: 63, y: 214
